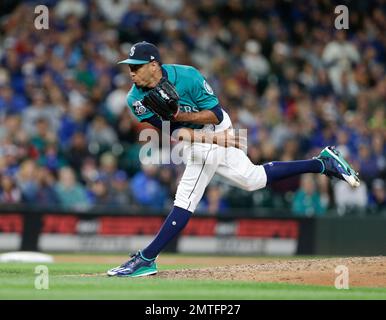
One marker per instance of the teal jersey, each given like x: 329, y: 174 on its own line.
x: 194, y: 91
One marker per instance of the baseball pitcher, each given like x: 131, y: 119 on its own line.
x: 180, y: 94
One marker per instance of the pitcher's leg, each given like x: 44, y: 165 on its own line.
x: 238, y: 168
x: 278, y: 170
x: 197, y: 176
x: 243, y: 173
x: 174, y: 223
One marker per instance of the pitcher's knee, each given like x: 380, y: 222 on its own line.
x: 256, y: 180
x: 252, y: 187
x: 255, y: 183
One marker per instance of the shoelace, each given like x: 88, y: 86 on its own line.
x: 131, y: 262
x: 354, y: 173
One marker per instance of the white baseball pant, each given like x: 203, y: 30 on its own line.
x: 204, y: 160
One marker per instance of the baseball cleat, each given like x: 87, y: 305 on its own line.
x: 334, y: 165
x: 137, y: 266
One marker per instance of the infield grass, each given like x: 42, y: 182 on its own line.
x: 84, y: 281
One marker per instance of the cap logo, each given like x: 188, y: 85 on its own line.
x: 132, y: 50
x: 152, y: 57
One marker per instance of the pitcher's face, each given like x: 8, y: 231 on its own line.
x: 143, y: 74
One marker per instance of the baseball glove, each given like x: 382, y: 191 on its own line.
x: 163, y: 100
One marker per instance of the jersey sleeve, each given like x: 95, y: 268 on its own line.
x: 202, y: 93
x: 137, y: 108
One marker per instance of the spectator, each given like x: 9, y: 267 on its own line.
x: 116, y: 100
x: 99, y: 194
x: 255, y: 63
x: 379, y: 149
x: 26, y: 180
x: 171, y: 7
x: 147, y: 190
x: 324, y: 191
x: 213, y: 202
x: 46, y: 193
x: 9, y: 192
x: 75, y: 120
x: 121, y: 193
x: 44, y: 136
x: 377, y: 121
x: 367, y: 164
x: 101, y: 134
x: 10, y: 126
x: 166, y: 178
x: 40, y: 109
x: 77, y: 151
x: 348, y: 199
x: 72, y: 195
x: 113, y: 10
x: 339, y: 55
x: 108, y: 166
x: 307, y: 200
x: 322, y: 87
x: 9, y: 151
x: 52, y: 158
x: 377, y: 199
x: 26, y: 150
x: 10, y: 102
x: 64, y: 8
x: 126, y: 129
x: 89, y: 170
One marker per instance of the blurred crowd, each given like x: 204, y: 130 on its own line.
x: 279, y: 68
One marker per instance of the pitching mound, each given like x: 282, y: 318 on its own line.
x: 363, y: 271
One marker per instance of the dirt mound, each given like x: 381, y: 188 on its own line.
x: 363, y: 271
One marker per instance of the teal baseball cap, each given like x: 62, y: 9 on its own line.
x: 142, y: 53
